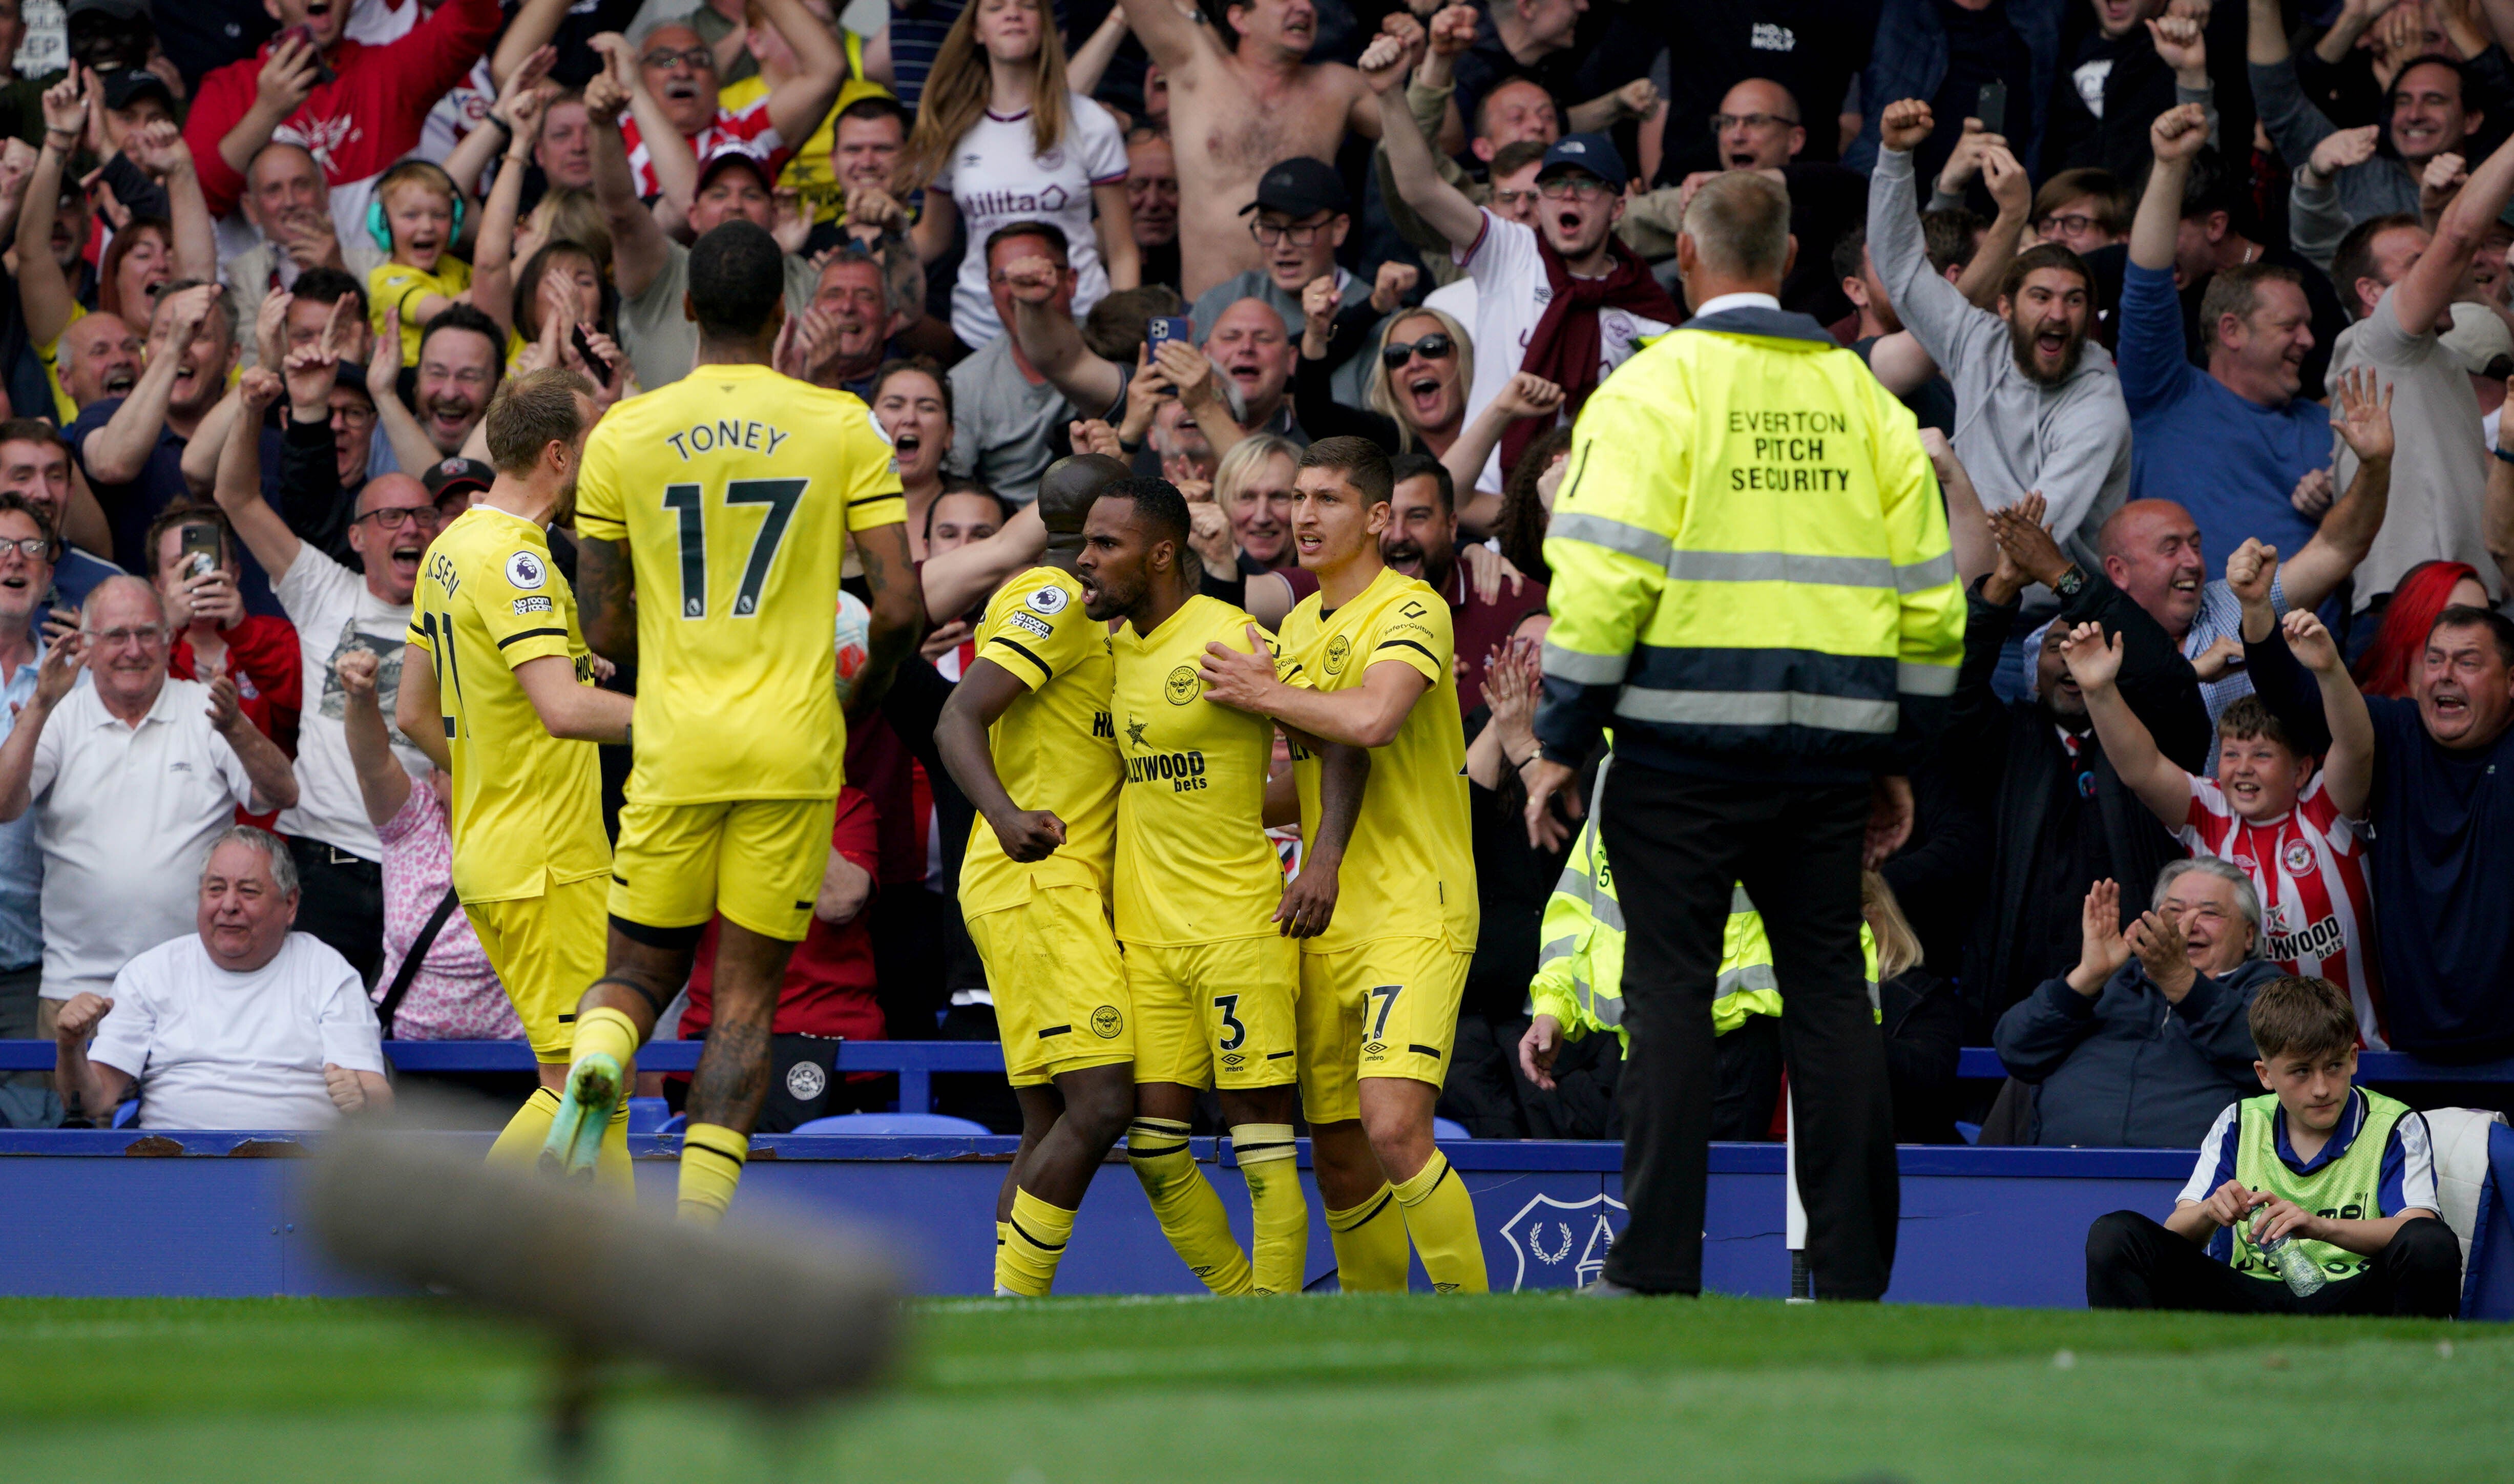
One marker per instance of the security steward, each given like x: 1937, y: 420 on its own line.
x: 1753, y: 587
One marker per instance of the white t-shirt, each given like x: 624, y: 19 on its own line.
x: 996, y: 179
x: 1512, y: 292
x: 334, y: 614
x: 124, y: 819
x: 214, y: 1050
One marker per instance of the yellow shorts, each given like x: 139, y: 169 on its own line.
x: 1382, y: 1009
x: 1060, y: 987
x: 756, y: 861
x: 1214, y: 1014
x: 548, y: 951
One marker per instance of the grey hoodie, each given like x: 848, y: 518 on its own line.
x: 2014, y: 435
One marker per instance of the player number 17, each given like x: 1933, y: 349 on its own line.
x: 687, y: 501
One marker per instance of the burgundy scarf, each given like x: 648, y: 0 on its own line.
x: 1565, y: 349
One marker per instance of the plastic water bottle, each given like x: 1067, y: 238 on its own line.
x: 2290, y: 1261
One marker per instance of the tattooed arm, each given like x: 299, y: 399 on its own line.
x: 606, y: 601
x: 898, y: 611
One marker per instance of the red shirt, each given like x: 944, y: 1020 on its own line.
x: 2309, y: 868
x: 747, y: 130
x: 357, y: 125
x: 270, y: 682
x: 827, y: 990
x: 1479, y: 627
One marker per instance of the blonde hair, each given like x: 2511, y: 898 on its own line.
x: 1382, y: 391
x: 1241, y: 465
x: 957, y: 87
x: 1898, y: 947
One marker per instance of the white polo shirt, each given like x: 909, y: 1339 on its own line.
x: 214, y: 1050
x: 124, y: 818
x: 335, y: 613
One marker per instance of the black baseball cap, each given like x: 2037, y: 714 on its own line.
x: 126, y: 10
x: 123, y: 89
x: 452, y: 476
x: 1592, y: 152
x: 726, y: 155
x: 1300, y: 187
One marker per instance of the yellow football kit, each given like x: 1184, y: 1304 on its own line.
x: 1042, y: 927
x: 1211, y: 976
x: 529, y: 851
x: 1380, y: 988
x: 396, y: 289
x: 734, y: 488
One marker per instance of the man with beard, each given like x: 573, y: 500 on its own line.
x: 1529, y: 288
x: 2043, y: 412
x: 1422, y: 542
x: 336, y: 611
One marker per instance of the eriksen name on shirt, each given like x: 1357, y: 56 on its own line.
x: 726, y: 433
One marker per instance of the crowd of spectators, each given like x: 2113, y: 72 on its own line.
x: 2204, y: 310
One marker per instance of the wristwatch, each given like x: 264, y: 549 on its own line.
x: 2072, y: 582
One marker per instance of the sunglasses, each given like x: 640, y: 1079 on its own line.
x: 1434, y: 347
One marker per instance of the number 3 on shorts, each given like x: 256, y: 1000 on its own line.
x: 1234, y: 1032
x: 1386, y: 995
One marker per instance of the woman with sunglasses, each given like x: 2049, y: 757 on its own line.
x: 1418, y: 381
x: 1000, y: 138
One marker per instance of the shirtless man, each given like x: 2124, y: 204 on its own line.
x: 1235, y: 111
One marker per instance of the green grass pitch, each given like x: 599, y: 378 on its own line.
x: 1115, y: 1391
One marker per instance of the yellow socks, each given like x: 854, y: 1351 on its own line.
x: 608, y: 1031
x: 1369, y: 1245
x: 1003, y: 1234
x: 521, y: 1144
x: 1441, y: 1219
x: 1279, y: 1244
x: 711, y: 1160
x: 1189, y: 1212
x: 1034, y: 1241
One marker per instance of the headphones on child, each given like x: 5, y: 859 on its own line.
x: 381, y: 230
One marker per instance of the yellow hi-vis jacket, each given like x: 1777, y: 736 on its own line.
x: 1580, y: 955
x: 1750, y: 561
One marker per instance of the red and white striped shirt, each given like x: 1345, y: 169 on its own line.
x: 2309, y: 867
x: 746, y: 128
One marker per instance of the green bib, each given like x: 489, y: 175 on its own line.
x: 2347, y: 1188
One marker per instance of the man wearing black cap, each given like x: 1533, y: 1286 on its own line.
x: 1300, y: 217
x: 1574, y: 299
x: 133, y: 100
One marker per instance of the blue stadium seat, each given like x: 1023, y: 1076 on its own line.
x: 893, y: 1124
x: 1449, y: 1128
x: 127, y: 1113
x: 676, y: 1125
x: 648, y: 1115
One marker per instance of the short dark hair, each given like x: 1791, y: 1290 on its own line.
x: 2041, y: 256
x: 2463, y: 616
x: 1118, y: 325
x: 1416, y: 464
x: 2208, y: 186
x: 1362, y: 464
x: 32, y: 431
x: 1045, y: 231
x: 2112, y: 201
x: 2237, y: 291
x: 2296, y: 1015
x: 465, y: 317
x: 737, y: 280
x: 11, y: 500
x: 873, y: 106
x: 963, y: 485
x: 325, y: 286
x: 2459, y: 69
x: 1158, y: 504
x: 1951, y: 238
x: 2248, y: 718
x: 922, y: 365
x: 184, y: 513
x: 1516, y: 156
x: 532, y: 412
x: 2355, y: 257
x: 1849, y: 252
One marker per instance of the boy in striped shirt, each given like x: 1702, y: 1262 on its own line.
x: 2293, y: 827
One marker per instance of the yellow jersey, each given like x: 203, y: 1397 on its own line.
x: 1055, y: 748
x: 393, y: 288
x: 1410, y: 870
x: 527, y: 805
x: 734, y: 488
x: 1194, y: 863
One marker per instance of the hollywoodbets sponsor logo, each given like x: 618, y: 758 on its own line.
x: 1182, y: 770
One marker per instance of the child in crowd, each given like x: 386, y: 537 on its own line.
x: 2327, y: 1174
x: 416, y: 215
x: 2295, y: 828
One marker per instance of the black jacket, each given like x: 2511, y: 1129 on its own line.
x: 2016, y: 746
x: 1924, y: 1030
x: 2129, y: 1068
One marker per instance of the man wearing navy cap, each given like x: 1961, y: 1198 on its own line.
x: 1563, y: 299
x: 1299, y: 217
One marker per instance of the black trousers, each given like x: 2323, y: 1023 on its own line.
x: 2134, y: 1263
x: 343, y: 902
x: 1680, y: 843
